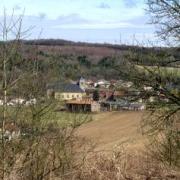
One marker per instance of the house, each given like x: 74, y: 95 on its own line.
x: 111, y: 95
x: 65, y: 91
x: 122, y: 105
x: 84, y: 105
x: 16, y: 101
x: 89, y: 83
x: 1, y: 102
x: 20, y: 101
x: 31, y: 102
x: 102, y: 83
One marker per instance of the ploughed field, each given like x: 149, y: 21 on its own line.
x: 111, y: 129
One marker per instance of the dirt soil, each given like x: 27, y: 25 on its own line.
x: 111, y: 129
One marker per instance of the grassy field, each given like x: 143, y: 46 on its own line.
x: 165, y: 71
x: 70, y: 119
x: 105, y: 129
x: 111, y: 129
x: 63, y: 119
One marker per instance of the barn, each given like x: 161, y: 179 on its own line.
x: 84, y: 105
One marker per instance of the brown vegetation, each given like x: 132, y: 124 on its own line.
x: 125, y: 166
x: 111, y: 129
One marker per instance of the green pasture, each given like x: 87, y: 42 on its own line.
x: 164, y: 71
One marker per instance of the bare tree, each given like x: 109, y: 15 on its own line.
x: 166, y: 15
x: 44, y: 148
x: 155, y: 72
x: 8, y: 50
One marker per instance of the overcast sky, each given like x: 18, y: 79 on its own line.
x: 102, y: 21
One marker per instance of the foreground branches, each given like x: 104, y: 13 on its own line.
x: 166, y: 14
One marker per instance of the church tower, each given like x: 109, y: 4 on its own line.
x: 82, y: 83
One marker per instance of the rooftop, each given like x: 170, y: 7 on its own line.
x: 65, y: 87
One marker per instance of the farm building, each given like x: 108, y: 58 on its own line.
x: 65, y: 91
x: 121, y: 105
x: 85, y: 105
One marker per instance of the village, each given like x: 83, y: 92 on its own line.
x: 86, y: 95
x: 95, y: 96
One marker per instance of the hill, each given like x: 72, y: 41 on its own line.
x: 67, y: 60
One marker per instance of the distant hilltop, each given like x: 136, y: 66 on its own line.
x: 62, y: 42
x: 120, y: 47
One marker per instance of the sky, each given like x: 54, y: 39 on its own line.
x: 100, y: 21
